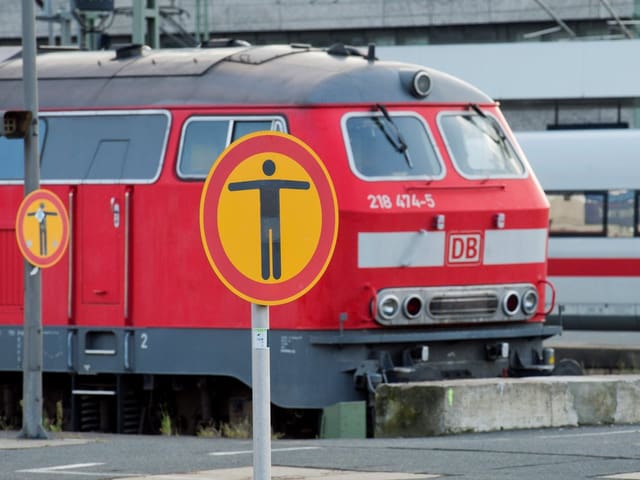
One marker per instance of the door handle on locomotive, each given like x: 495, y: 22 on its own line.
x: 115, y: 210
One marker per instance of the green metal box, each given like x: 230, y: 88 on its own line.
x: 344, y: 420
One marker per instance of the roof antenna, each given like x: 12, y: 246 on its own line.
x: 371, y: 52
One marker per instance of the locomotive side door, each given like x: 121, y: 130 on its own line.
x: 104, y: 156
x: 101, y: 235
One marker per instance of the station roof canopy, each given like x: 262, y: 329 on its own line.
x: 569, y: 69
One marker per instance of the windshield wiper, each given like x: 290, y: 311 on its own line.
x: 495, y: 133
x: 499, y: 137
x: 393, y: 134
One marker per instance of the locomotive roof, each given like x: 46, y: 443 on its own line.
x: 275, y: 74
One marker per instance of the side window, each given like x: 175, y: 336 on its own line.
x: 577, y: 213
x: 12, y: 154
x: 242, y: 128
x: 612, y: 213
x: 637, y: 214
x: 205, y: 138
x: 202, y: 142
x: 620, y: 213
x: 108, y: 160
x: 98, y: 148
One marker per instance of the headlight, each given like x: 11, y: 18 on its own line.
x: 530, y: 301
x: 388, y: 306
x: 421, y: 84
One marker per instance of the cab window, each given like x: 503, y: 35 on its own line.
x: 479, y: 147
x: 383, y: 146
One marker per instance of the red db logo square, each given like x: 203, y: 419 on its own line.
x: 464, y: 248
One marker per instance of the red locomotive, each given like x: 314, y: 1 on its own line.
x: 439, y: 269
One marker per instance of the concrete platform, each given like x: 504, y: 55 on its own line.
x: 482, y: 405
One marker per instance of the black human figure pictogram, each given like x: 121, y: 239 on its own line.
x: 41, y: 216
x: 269, y: 216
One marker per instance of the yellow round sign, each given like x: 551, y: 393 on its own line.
x: 268, y: 218
x: 42, y: 228
x: 240, y: 221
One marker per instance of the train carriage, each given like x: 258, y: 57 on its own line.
x: 439, y: 268
x: 591, y: 181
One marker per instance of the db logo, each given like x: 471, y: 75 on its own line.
x: 464, y: 248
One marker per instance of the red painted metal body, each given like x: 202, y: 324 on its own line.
x: 171, y: 285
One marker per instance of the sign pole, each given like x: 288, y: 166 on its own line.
x: 261, y: 392
x: 284, y: 260
x: 32, y: 360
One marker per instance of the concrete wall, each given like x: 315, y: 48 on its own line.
x: 408, y: 22
x: 528, y: 116
x: 289, y: 15
x: 335, y: 14
x: 542, y: 83
x: 481, y: 405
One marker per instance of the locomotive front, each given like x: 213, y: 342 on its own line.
x: 440, y: 267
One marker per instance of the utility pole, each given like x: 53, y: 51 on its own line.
x: 146, y: 23
x: 202, y: 21
x: 32, y: 400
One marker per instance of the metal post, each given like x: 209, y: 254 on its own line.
x: 65, y: 28
x: 261, y: 392
x: 138, y: 23
x: 32, y: 360
x: 198, y: 18
x: 153, y: 24
x: 48, y: 8
x: 90, y: 35
x: 146, y: 24
x: 205, y: 33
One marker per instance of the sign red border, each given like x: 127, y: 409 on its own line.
x: 28, y: 202
x: 243, y: 286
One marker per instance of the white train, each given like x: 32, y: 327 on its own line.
x: 592, y: 181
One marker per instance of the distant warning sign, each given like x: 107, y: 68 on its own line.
x: 42, y: 228
x: 268, y: 218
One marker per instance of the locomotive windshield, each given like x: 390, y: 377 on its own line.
x: 478, y: 146
x: 381, y: 146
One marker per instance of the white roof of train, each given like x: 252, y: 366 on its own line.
x: 584, y: 159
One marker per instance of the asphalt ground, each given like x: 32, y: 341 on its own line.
x: 606, y: 452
